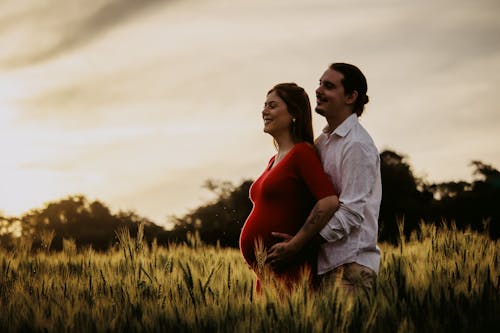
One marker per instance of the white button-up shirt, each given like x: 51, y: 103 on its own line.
x: 352, y: 162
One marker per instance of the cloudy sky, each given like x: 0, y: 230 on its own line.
x: 137, y: 103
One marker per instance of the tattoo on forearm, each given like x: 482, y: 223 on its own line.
x: 317, y: 215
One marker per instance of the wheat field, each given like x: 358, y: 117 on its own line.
x: 438, y: 280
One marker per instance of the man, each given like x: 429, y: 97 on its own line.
x: 349, y: 251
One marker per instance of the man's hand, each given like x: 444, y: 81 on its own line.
x: 280, y: 253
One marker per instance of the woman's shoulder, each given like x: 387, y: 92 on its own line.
x: 305, y: 147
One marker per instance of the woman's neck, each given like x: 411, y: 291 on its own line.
x: 284, y: 143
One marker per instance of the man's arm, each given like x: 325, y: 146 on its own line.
x: 359, y: 174
x: 316, y: 221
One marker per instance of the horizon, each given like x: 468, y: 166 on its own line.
x: 167, y: 223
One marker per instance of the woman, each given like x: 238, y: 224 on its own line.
x: 293, y: 195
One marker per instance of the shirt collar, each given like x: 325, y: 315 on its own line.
x: 345, y: 127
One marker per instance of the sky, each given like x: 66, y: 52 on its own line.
x: 138, y: 103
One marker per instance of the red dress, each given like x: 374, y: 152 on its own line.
x: 282, y: 197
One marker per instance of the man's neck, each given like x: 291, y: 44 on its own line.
x: 335, y: 120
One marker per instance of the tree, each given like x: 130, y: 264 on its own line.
x: 8, y: 229
x: 88, y: 223
x: 220, y: 220
x: 404, y: 197
x: 486, y: 187
x: 470, y: 204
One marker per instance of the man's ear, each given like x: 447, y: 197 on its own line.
x: 351, y: 98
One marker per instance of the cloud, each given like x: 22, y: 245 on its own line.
x: 58, y: 26
x: 142, y: 115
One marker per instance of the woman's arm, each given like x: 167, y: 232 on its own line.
x: 321, y: 213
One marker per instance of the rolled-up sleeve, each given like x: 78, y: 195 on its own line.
x: 358, y: 174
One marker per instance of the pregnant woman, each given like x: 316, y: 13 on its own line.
x: 293, y: 195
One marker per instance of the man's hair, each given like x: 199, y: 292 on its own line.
x: 299, y: 107
x: 353, y: 80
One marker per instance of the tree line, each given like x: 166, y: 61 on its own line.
x: 407, y: 201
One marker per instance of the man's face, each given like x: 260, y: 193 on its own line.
x: 330, y: 95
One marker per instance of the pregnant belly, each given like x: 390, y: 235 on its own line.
x: 255, y: 229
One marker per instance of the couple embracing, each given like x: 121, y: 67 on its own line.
x: 316, y: 205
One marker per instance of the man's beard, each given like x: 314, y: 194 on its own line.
x: 319, y: 111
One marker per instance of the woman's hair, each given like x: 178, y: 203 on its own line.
x: 299, y: 107
x: 353, y: 80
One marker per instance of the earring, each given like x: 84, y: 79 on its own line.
x: 293, y: 119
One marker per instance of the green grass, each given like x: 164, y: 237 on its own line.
x: 437, y: 281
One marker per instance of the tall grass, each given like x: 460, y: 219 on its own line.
x: 437, y: 281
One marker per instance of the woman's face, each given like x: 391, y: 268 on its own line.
x: 275, y: 114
